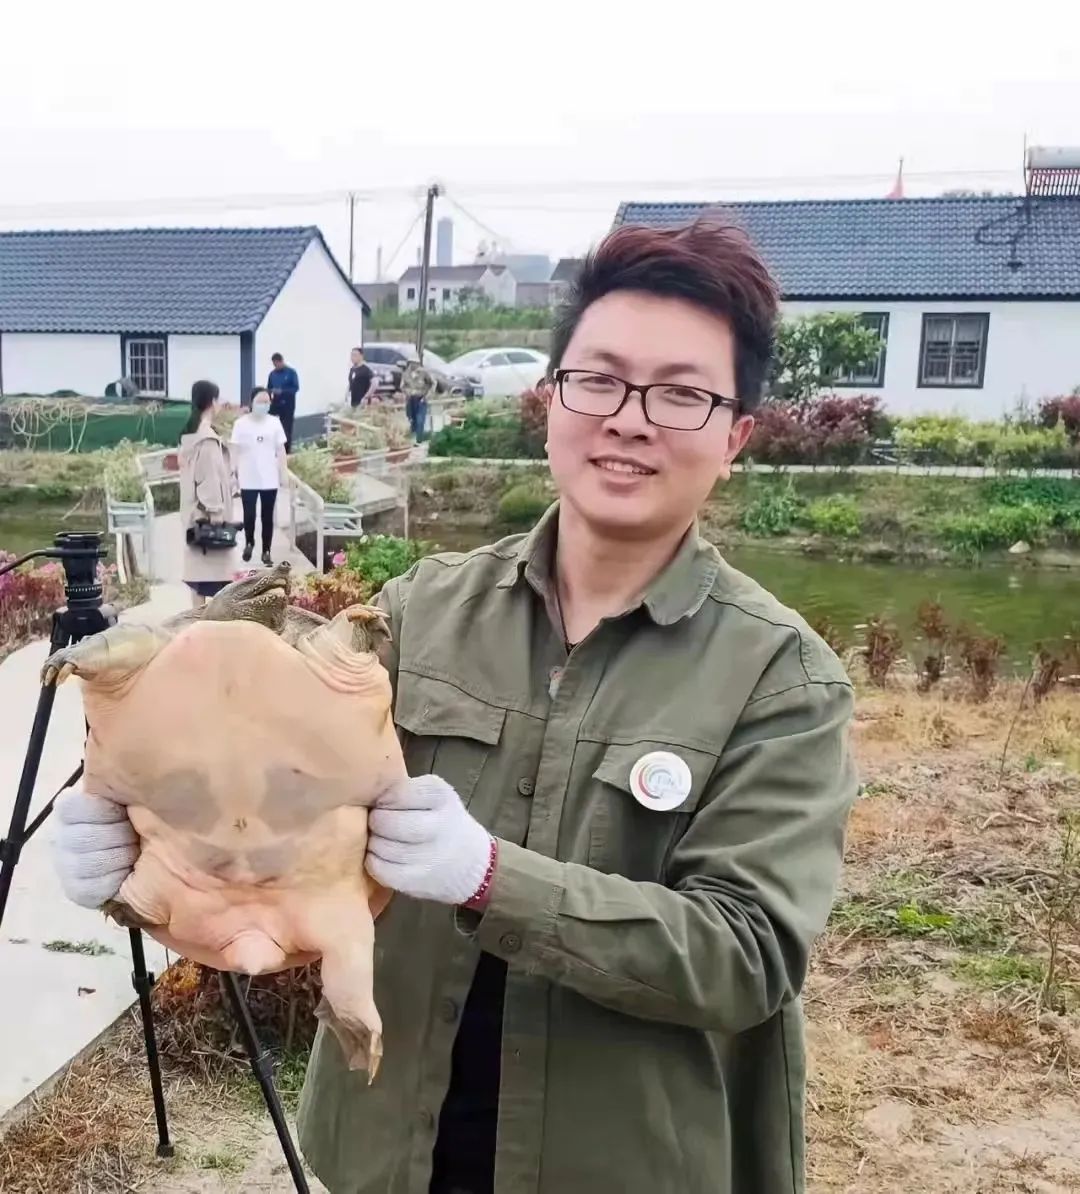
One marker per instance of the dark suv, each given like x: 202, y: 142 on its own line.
x: 388, y: 360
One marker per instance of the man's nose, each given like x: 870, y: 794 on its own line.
x: 630, y: 420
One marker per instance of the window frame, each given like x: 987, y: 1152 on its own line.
x: 844, y: 383
x: 130, y: 338
x: 410, y: 293
x: 978, y: 383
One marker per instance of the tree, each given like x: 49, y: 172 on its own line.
x: 813, y: 351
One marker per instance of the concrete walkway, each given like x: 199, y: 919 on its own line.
x: 55, y: 1002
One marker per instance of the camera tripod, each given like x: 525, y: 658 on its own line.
x: 85, y: 614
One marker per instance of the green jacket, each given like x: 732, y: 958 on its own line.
x: 652, y: 1032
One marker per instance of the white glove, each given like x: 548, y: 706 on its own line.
x: 95, y: 849
x: 424, y: 843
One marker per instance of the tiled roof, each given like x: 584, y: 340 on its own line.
x: 567, y: 268
x: 450, y: 273
x: 904, y: 248
x: 210, y: 280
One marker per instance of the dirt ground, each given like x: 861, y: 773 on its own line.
x: 943, y: 1004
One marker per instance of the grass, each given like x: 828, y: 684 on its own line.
x: 90, y: 949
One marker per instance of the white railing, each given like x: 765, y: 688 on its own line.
x: 308, y: 509
x: 124, y: 519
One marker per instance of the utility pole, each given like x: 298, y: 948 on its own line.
x: 352, y: 225
x: 425, y: 263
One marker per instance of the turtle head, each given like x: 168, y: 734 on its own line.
x: 261, y: 597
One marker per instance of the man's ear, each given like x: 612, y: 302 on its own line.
x: 738, y: 437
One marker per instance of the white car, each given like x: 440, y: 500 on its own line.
x: 502, y: 371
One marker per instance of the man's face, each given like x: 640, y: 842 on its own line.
x: 625, y: 476
x: 277, y: 362
x: 357, y: 357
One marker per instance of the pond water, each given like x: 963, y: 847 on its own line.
x: 1023, y: 605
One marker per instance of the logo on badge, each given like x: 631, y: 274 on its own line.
x: 660, y: 780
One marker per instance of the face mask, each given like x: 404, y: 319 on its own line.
x: 260, y: 410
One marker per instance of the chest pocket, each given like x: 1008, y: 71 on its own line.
x: 626, y: 838
x: 444, y: 731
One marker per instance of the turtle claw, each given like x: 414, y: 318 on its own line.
x: 362, y: 1046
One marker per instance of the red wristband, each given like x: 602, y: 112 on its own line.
x: 477, y: 901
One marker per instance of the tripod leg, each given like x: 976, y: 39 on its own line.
x: 263, y: 1068
x: 143, y: 981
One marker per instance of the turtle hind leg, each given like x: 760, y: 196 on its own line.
x: 118, y: 652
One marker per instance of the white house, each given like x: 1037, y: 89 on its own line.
x: 446, y: 282
x: 166, y: 307
x: 977, y: 300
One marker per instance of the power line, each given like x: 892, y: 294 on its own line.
x: 91, y: 208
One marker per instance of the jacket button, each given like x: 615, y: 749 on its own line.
x: 526, y: 787
x: 511, y: 942
x: 448, y: 1010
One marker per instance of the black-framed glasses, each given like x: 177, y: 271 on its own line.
x: 666, y: 404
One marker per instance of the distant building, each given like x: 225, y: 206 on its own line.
x: 533, y: 294
x: 168, y: 306
x: 444, y: 242
x: 566, y: 270
x: 378, y: 295
x: 446, y: 283
x: 976, y: 300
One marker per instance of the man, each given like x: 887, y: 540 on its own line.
x: 417, y: 385
x: 631, y: 779
x: 283, y: 384
x: 361, y: 379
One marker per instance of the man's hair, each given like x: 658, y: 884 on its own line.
x: 358, y: 349
x: 708, y: 262
x: 277, y: 357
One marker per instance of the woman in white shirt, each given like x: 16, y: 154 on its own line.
x: 258, y: 443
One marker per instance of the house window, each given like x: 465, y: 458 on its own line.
x: 431, y: 304
x: 871, y: 372
x: 446, y: 294
x: 410, y: 293
x: 953, y: 350
x: 145, y: 358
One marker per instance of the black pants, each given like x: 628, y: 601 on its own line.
x: 269, y: 498
x: 285, y: 409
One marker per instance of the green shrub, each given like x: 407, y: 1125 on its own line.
x: 773, y: 510
x: 314, y: 466
x: 999, y: 526
x: 1060, y: 498
x: 837, y: 516
x: 379, y: 558
x: 485, y: 437
x: 1038, y: 447
x: 521, y: 505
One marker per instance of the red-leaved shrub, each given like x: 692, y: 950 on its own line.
x: 829, y: 430
x: 1065, y: 409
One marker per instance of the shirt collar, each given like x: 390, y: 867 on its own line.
x: 678, y: 592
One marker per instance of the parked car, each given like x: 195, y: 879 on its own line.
x: 388, y: 361
x: 502, y: 371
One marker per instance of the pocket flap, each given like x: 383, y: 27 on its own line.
x: 426, y: 706
x: 618, y: 762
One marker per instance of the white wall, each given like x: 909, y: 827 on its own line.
x: 213, y: 358
x: 502, y: 287
x: 1032, y: 352
x: 314, y: 322
x: 41, y: 362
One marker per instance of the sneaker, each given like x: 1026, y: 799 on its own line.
x: 248, y: 549
x: 267, y: 560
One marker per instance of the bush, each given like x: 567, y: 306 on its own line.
x: 486, y: 437
x: 379, y: 558
x: 534, y: 422
x: 980, y: 655
x: 830, y: 430
x: 1065, y: 411
x: 773, y: 510
x: 1039, y: 447
x: 314, y: 466
x: 328, y: 594
x: 999, y: 526
x: 521, y: 505
x: 882, y: 650
x: 837, y: 516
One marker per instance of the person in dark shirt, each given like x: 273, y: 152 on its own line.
x: 283, y: 384
x: 361, y: 379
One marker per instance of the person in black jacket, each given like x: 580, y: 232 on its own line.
x: 361, y: 379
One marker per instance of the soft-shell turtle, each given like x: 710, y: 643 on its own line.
x: 247, y: 739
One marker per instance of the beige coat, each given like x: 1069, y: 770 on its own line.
x: 207, y: 491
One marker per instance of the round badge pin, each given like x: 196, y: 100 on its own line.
x: 660, y: 781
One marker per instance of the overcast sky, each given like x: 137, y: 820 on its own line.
x: 538, y: 119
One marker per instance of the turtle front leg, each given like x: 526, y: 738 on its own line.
x: 116, y: 652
